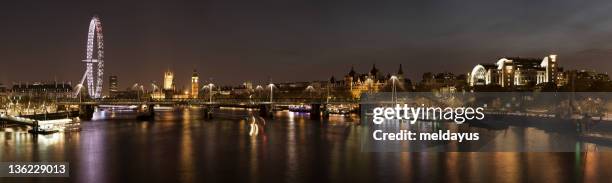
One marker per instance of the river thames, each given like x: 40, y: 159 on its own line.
x: 181, y: 146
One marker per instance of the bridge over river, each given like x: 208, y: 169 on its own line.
x: 205, y: 102
x: 146, y: 108
x: 265, y: 107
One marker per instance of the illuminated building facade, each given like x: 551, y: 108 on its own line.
x: 47, y: 90
x: 168, y: 80
x: 371, y: 82
x: 113, y: 85
x: 195, y: 87
x: 509, y: 72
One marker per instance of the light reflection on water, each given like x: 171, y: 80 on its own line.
x: 180, y: 146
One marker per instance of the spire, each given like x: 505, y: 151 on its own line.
x: 352, y: 72
x: 400, y: 71
x: 195, y: 73
x: 374, y: 71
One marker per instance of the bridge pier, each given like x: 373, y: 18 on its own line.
x: 265, y: 110
x: 151, y: 108
x: 147, y: 115
x: 86, y: 111
x: 315, y: 111
x: 35, y: 127
x: 208, y: 112
x: 325, y: 112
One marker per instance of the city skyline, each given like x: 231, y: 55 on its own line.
x: 179, y: 84
x: 154, y: 38
x: 306, y: 91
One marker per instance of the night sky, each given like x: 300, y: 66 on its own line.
x: 232, y: 41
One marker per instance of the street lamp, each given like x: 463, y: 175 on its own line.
x: 258, y: 91
x: 155, y: 95
x: 393, y: 90
x: 271, y: 85
x: 155, y: 87
x: 210, y: 86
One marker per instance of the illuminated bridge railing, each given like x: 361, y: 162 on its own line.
x: 222, y: 101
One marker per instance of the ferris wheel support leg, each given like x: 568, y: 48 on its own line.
x: 80, y: 85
